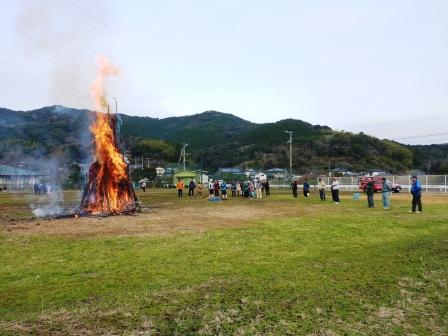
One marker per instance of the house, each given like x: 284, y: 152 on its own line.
x: 17, y: 178
x: 185, y: 175
x: 277, y: 173
x: 250, y: 173
x: 160, y: 171
x: 234, y: 171
x: 261, y: 176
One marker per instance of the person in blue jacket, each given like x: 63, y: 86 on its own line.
x: 224, y: 190
x: 306, y: 188
x: 416, y: 191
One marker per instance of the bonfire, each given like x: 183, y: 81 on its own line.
x: 108, y: 189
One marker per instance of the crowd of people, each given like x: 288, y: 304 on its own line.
x: 257, y: 189
x: 41, y: 188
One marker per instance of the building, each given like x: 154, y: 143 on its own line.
x: 188, y: 175
x: 277, y: 173
x: 160, y: 171
x: 234, y: 171
x: 17, y: 178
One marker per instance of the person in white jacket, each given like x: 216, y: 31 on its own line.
x: 258, y: 191
x: 322, y: 185
x: 335, y: 190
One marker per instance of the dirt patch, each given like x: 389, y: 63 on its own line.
x: 161, y: 220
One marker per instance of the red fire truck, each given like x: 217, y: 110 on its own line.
x: 377, y: 184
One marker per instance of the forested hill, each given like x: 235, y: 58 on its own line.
x: 215, y: 140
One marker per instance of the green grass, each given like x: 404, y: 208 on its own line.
x: 325, y: 270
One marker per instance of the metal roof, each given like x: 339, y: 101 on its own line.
x: 276, y: 170
x: 231, y: 170
x: 14, y: 171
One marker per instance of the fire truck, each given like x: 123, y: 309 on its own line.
x: 377, y: 184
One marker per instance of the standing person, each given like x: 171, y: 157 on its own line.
x: 216, y: 187
x: 387, y: 189
x: 143, y: 186
x: 191, y: 187
x: 210, y: 188
x: 180, y: 188
x: 416, y: 191
x: 335, y: 190
x: 239, y: 188
x: 266, y: 188
x: 246, y: 189
x: 306, y: 188
x: 251, y: 190
x: 199, y: 190
x: 294, y: 188
x: 258, y: 189
x: 224, y: 190
x: 321, y: 186
x: 370, y: 191
x: 233, y: 187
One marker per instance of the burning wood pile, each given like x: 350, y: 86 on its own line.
x: 108, y: 189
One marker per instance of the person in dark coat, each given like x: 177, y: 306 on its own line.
x: 294, y: 188
x: 191, y: 187
x: 370, y: 191
x: 267, y: 188
x: 216, y: 188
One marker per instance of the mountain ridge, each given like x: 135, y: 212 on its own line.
x: 216, y: 139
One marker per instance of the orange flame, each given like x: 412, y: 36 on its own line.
x: 109, y: 189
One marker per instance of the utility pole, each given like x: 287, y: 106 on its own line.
x: 182, y: 154
x: 117, y: 124
x: 290, y: 151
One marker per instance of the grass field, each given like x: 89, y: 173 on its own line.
x: 277, y: 266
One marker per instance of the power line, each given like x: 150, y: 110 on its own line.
x: 397, y: 122
x: 421, y: 136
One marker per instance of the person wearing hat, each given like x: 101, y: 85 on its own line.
x: 416, y: 191
x: 335, y: 190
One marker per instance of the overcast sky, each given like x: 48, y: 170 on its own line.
x: 377, y: 66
